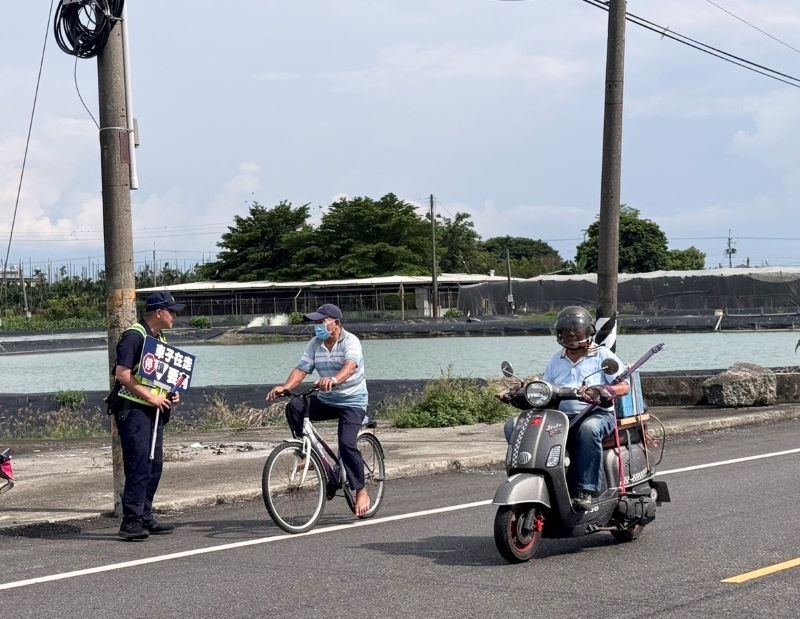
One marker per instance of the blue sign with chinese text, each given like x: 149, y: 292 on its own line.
x: 165, y: 366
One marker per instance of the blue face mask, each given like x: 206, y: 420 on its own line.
x: 321, y: 332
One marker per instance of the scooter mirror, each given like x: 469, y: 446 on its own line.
x: 507, y: 370
x: 610, y: 366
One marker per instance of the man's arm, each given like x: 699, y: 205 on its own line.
x: 125, y: 376
x: 295, y: 378
x: 348, y: 369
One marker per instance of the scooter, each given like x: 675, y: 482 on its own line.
x: 6, y: 471
x: 535, y: 501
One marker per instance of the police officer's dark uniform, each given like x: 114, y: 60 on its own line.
x: 135, y: 419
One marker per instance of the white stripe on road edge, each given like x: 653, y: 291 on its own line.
x: 253, y: 542
x: 697, y: 467
x: 338, y: 527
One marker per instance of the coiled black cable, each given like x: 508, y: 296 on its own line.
x: 82, y: 27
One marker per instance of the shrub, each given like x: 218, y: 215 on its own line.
x: 453, y: 313
x: 200, y: 322
x: 70, y: 400
x: 296, y: 318
x: 450, y: 401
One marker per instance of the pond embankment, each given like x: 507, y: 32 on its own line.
x: 19, y: 413
x: 491, y: 326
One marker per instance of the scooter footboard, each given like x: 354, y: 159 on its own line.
x: 523, y: 488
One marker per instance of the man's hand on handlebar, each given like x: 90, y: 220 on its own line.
x: 277, y: 392
x: 514, y: 397
x: 326, y: 384
x: 599, y: 395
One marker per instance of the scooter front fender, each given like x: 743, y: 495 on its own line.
x: 522, y: 488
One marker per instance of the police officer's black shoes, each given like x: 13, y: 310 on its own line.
x: 154, y: 527
x: 133, y: 531
x: 583, y: 500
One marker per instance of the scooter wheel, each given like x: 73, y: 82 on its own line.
x: 515, y: 543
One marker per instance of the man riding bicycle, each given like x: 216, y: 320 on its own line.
x: 336, y: 355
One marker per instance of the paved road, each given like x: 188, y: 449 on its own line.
x: 725, y: 520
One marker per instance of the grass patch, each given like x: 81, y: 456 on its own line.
x: 70, y: 400
x: 449, y: 401
x: 61, y: 425
x: 36, y: 323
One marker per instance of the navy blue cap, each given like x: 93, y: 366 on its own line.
x: 328, y: 310
x: 162, y: 300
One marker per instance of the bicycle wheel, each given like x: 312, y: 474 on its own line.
x: 294, y: 501
x: 374, y: 472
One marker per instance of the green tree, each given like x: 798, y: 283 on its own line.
x: 458, y: 246
x: 362, y: 237
x: 261, y: 245
x: 642, y: 244
x: 528, y: 257
x: 691, y: 259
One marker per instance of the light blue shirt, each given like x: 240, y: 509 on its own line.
x: 561, y: 371
x: 327, y: 363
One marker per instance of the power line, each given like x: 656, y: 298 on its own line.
x: 28, y: 139
x: 703, y: 47
x: 744, y: 21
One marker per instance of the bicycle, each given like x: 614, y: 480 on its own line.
x: 300, y: 475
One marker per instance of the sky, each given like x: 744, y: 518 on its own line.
x: 494, y: 107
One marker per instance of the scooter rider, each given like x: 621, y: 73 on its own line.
x: 578, y: 364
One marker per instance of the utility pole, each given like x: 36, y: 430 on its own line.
x: 510, y: 297
x: 24, y: 293
x: 117, y: 228
x: 608, y: 246
x: 730, y: 250
x: 434, y: 267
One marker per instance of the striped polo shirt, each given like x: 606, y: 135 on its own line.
x: 352, y: 392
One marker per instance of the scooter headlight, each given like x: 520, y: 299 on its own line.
x: 538, y: 393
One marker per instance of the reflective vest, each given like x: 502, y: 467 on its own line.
x: 125, y: 393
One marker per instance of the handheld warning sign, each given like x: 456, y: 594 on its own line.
x: 165, y: 366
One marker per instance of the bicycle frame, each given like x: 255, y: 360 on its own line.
x: 313, y: 441
x: 331, y: 461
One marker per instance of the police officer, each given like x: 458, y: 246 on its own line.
x: 133, y: 403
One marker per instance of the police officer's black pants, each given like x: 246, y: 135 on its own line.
x: 350, y: 420
x: 135, y: 425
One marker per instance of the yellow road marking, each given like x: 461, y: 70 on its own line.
x: 764, y: 571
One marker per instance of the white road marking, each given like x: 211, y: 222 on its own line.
x: 697, y: 467
x: 321, y: 530
x: 253, y: 542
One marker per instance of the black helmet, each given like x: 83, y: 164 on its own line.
x: 576, y: 319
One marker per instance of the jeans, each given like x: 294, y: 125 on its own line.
x: 350, y: 420
x: 587, y: 451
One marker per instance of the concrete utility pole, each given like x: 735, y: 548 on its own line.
x: 117, y: 228
x: 730, y: 250
x: 510, y: 297
x: 434, y: 266
x: 608, y: 246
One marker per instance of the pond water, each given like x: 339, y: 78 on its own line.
x: 422, y: 358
